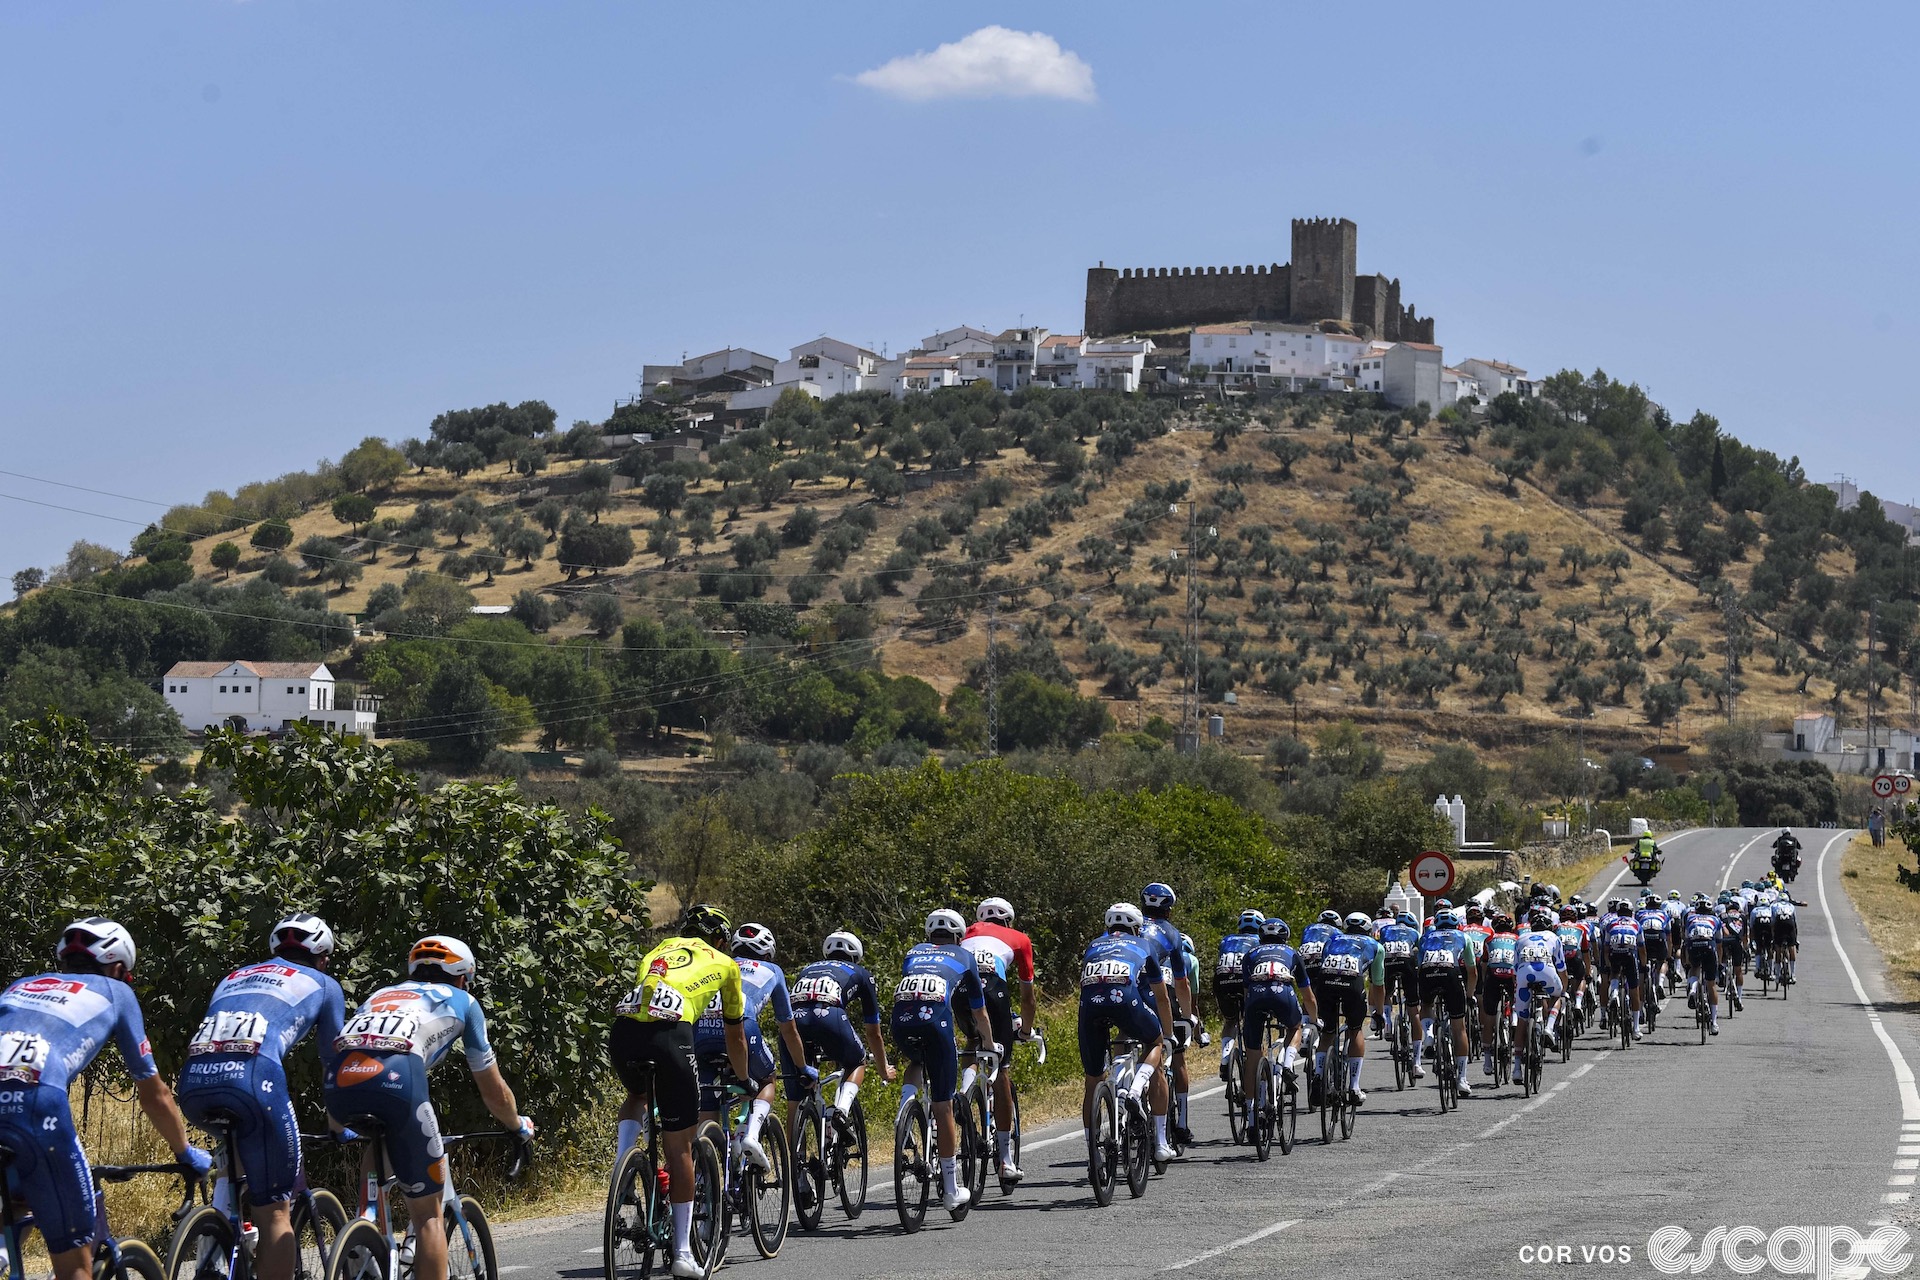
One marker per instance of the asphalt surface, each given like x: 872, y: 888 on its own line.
x: 1794, y: 1115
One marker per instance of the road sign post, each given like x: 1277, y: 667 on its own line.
x: 1432, y: 874
x: 1711, y: 794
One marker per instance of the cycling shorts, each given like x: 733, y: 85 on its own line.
x: 1126, y: 1014
x: 1762, y: 931
x: 999, y: 1007
x: 1624, y: 965
x: 711, y: 1053
x: 1444, y: 986
x: 392, y: 1089
x: 1544, y: 986
x: 49, y: 1169
x: 923, y: 1033
x: 660, y: 1054
x: 1277, y: 1003
x: 1656, y: 947
x: 1493, y: 986
x: 1229, y: 995
x: 1403, y: 975
x: 830, y: 1031
x: 1339, y: 1003
x: 1786, y: 933
x: 1703, y: 963
x: 252, y: 1089
x: 1576, y: 969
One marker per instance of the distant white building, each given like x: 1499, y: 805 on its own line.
x: 1411, y: 375
x: 1455, y: 386
x: 1817, y: 736
x: 1289, y: 357
x: 1112, y: 365
x: 963, y: 338
x: 1496, y: 377
x: 750, y: 368
x: 259, y: 696
x: 1015, y: 353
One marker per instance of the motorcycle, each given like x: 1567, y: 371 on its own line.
x: 1645, y: 867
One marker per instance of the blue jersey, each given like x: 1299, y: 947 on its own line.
x: 265, y: 1009
x: 761, y: 984
x: 1164, y: 941
x: 940, y: 973
x: 827, y: 985
x: 1313, y: 942
x: 424, y: 1019
x: 1400, y: 942
x: 1703, y: 930
x: 1121, y: 967
x: 1446, y: 951
x: 1353, y: 958
x: 1623, y: 935
x: 1655, y: 924
x: 1230, y: 964
x: 53, y: 1025
x: 1274, y: 966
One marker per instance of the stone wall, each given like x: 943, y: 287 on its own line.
x: 1147, y: 299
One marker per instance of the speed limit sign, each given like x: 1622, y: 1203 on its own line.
x: 1883, y: 786
x: 1902, y: 784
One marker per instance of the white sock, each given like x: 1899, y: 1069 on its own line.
x: 1141, y: 1079
x: 1426, y: 1031
x: 1463, y: 1071
x: 628, y: 1140
x: 1004, y: 1141
x: 682, y: 1227
x: 1353, y: 1072
x: 757, y: 1118
x: 1180, y: 1108
x: 1419, y: 1047
x: 1547, y: 1028
x: 843, y: 1101
x: 1289, y: 1056
x: 949, y: 1173
x: 1160, y: 1130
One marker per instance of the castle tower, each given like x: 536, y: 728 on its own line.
x: 1325, y: 254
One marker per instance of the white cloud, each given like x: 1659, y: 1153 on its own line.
x: 993, y: 62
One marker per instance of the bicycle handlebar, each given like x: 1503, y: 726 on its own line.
x: 522, y: 1147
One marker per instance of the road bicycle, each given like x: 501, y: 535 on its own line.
x: 1121, y: 1135
x: 1236, y: 1093
x: 828, y: 1150
x: 1276, y: 1099
x: 977, y: 1086
x: 1503, y: 1040
x: 113, y: 1258
x: 214, y: 1243
x: 1619, y: 1011
x: 368, y: 1247
x: 1405, y: 1028
x: 1444, y: 1060
x: 1336, y: 1106
x: 760, y: 1197
x: 916, y: 1158
x: 637, y: 1231
x: 1475, y: 1049
x: 1532, y: 1053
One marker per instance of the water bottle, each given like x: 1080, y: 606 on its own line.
x: 251, y: 1234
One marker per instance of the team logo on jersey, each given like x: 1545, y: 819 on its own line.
x: 48, y: 986
x: 358, y: 1067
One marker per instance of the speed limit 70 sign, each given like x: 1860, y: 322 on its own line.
x: 1886, y: 784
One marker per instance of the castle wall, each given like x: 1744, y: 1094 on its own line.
x: 1141, y: 300
x: 1324, y: 253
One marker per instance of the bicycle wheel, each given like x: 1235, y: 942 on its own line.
x: 1446, y: 1073
x: 809, y: 1166
x: 1329, y: 1119
x: 1264, y: 1107
x: 1236, y: 1098
x: 912, y: 1164
x: 202, y: 1248
x: 966, y: 1152
x: 770, y: 1191
x: 975, y: 1174
x: 1139, y: 1149
x: 849, y: 1164
x: 1289, y: 1114
x: 708, y: 1234
x: 1103, y: 1144
x: 1348, y: 1110
x: 469, y: 1242
x: 318, y: 1219
x: 627, y: 1239
x: 138, y: 1261
x: 1013, y: 1136
x: 1623, y: 1025
x: 362, y: 1252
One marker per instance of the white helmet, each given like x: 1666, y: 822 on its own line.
x: 945, y: 921
x: 438, y: 951
x: 1124, y: 915
x: 302, y: 932
x: 842, y: 945
x: 106, y: 941
x: 995, y: 911
x: 756, y: 938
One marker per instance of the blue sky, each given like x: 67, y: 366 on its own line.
x: 236, y: 237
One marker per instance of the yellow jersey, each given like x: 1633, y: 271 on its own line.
x: 679, y: 978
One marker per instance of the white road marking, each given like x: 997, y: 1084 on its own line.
x: 523, y: 1267
x: 1624, y: 868
x: 1580, y: 1071
x: 1896, y: 1197
x: 1229, y: 1247
x: 1902, y: 1073
x: 1901, y: 1180
x: 1726, y: 877
x: 1075, y: 1135
x: 1907, y: 1164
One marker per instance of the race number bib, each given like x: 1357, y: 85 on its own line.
x: 230, y: 1032
x: 1701, y: 931
x: 1438, y: 958
x: 921, y: 986
x: 1310, y: 952
x: 23, y: 1056
x: 1230, y: 964
x: 1097, y: 973
x: 819, y: 989
x: 987, y: 959
x: 1341, y: 964
x: 1536, y: 953
x: 1272, y: 971
x: 378, y: 1033
x: 1399, y: 949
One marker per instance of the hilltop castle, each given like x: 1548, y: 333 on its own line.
x: 1321, y: 284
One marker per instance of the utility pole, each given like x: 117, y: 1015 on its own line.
x: 993, y: 675
x: 1190, y: 692
x: 1730, y: 614
x: 1873, y: 618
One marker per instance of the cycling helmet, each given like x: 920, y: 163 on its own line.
x: 1251, y: 919
x: 301, y: 932
x: 1383, y: 912
x: 842, y: 945
x: 1502, y: 922
x: 1274, y: 929
x: 1702, y: 907
x: 439, y: 951
x: 1329, y: 917
x: 1475, y: 913
x: 1157, y: 897
x: 1746, y: 884
x: 1553, y: 891
x: 1540, y: 918
x: 754, y: 939
x: 1359, y: 922
x: 708, y: 923
x: 1446, y: 918
x: 105, y: 942
x: 945, y: 923
x: 1673, y: 895
x: 1408, y: 919
x: 1186, y: 944
x: 994, y: 911
x: 1124, y: 916
x: 1569, y: 912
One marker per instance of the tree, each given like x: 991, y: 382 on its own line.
x: 1286, y: 451
x: 550, y: 515
x: 489, y: 562
x: 595, y: 548
x: 225, y: 557
x: 273, y: 535
x: 462, y: 521
x: 26, y: 580
x: 462, y: 459
x: 525, y: 545
x: 1513, y: 471
x: 373, y: 464
x: 353, y: 510
x: 113, y: 705
x: 663, y: 492
x: 317, y: 553
x: 603, y: 613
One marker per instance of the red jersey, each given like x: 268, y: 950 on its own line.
x: 1009, y: 951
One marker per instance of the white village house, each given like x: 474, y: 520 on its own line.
x: 263, y: 696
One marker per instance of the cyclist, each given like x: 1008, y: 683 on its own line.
x: 1449, y: 971
x: 1276, y: 984
x: 1399, y: 937
x: 1496, y: 979
x: 1656, y: 929
x: 1476, y: 924
x: 1190, y: 957
x: 1156, y: 904
x: 1704, y: 936
x: 823, y: 995
x: 52, y: 1026
x: 935, y: 976
x: 1733, y: 951
x: 1676, y: 913
x: 763, y: 986
x: 1786, y: 933
x: 1229, y: 980
x: 1353, y: 975
x: 1314, y: 939
x: 1123, y: 988
x: 381, y: 1060
x: 652, y: 1034
x: 1539, y: 973
x: 257, y: 1015
x: 1625, y: 954
x: 1760, y: 930
x: 1004, y: 954
x: 1577, y: 947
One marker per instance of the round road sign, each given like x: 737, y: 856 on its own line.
x: 1432, y: 873
x: 1710, y: 792
x: 1883, y: 786
x: 1902, y: 784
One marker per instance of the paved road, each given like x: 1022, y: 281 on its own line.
x: 1793, y: 1115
